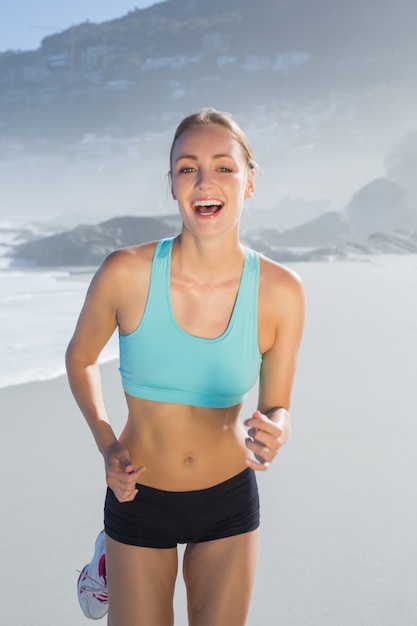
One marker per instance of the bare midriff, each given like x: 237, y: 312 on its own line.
x: 184, y: 448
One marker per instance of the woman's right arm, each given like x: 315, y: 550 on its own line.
x: 95, y: 326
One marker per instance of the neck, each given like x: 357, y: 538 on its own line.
x: 208, y: 260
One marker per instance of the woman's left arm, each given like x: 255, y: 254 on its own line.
x: 269, y: 427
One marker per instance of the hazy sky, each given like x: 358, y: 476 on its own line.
x: 25, y: 22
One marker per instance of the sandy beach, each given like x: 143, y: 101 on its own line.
x: 339, y: 505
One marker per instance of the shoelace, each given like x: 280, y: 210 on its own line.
x: 99, y: 590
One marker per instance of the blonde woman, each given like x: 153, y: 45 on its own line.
x: 200, y: 319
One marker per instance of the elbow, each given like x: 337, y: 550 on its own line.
x: 77, y: 359
x: 72, y: 357
x: 69, y: 357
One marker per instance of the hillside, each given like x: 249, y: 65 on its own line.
x: 138, y: 71
x: 326, y: 90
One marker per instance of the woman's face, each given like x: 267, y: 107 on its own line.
x: 210, y: 179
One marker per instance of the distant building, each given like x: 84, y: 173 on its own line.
x: 213, y: 43
x: 175, y: 63
x: 58, y: 60
x: 224, y: 61
x: 120, y: 85
x: 257, y: 62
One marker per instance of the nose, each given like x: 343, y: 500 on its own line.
x: 203, y: 179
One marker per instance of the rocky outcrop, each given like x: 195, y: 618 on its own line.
x: 88, y: 245
x: 378, y: 243
x: 379, y: 207
x: 324, y: 238
x: 330, y: 228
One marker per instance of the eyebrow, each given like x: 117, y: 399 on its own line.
x: 193, y: 157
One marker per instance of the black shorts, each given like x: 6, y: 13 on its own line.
x: 162, y: 519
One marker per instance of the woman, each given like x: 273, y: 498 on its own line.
x: 199, y: 317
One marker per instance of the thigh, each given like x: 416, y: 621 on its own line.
x: 140, y: 584
x: 219, y: 578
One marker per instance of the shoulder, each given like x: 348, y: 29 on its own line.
x: 281, y: 305
x: 278, y: 281
x: 124, y: 261
x: 123, y: 269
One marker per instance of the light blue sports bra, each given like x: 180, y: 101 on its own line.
x: 159, y: 361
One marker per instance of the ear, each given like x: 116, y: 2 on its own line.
x: 250, y: 185
x: 174, y: 197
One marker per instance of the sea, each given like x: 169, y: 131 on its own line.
x: 39, y: 309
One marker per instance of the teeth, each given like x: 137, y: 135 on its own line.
x: 207, y: 203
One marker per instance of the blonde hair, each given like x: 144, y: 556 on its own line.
x: 207, y: 116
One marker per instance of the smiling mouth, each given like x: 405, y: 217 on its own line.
x: 207, y: 207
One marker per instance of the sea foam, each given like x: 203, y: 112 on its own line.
x: 38, y: 314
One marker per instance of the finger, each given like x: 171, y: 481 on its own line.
x: 126, y: 463
x: 269, y: 434
x: 258, y: 467
x: 120, y: 455
x: 254, y: 420
x: 119, y: 480
x: 134, y: 474
x: 264, y: 424
x: 125, y: 496
x: 257, y: 435
x: 261, y: 452
x: 128, y: 481
x: 265, y: 439
x: 252, y: 432
x: 120, y: 463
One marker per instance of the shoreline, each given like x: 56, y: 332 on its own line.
x: 55, y: 376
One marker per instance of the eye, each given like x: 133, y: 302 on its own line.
x: 186, y: 170
x: 225, y: 169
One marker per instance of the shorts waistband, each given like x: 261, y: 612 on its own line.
x: 218, y: 489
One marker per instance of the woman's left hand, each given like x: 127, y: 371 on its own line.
x: 266, y: 437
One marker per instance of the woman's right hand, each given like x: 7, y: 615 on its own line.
x: 121, y: 476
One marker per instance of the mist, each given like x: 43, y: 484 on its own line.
x: 105, y: 176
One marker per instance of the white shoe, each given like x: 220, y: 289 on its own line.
x: 92, y: 583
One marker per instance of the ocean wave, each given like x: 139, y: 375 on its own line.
x: 38, y: 313
x: 43, y: 373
